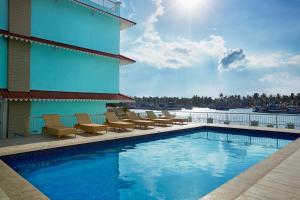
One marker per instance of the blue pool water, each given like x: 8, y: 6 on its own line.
x: 179, y: 166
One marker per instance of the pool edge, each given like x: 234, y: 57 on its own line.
x: 233, y: 186
x: 14, y: 186
x: 236, y: 187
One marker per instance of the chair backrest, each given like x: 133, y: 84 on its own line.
x: 167, y: 114
x: 151, y: 115
x: 111, y: 117
x: 83, y: 118
x: 52, y: 120
x: 132, y: 115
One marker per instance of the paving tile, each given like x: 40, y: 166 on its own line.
x: 295, y: 189
x: 270, y: 193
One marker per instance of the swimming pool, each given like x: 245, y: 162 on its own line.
x: 178, y: 165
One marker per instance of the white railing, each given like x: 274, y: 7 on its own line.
x: 108, y: 5
x: 291, y: 121
x: 36, y: 123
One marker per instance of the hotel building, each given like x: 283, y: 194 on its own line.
x: 58, y: 57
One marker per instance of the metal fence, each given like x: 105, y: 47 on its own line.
x: 36, y: 123
x: 246, y: 119
x: 108, y: 5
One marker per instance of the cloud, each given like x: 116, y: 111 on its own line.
x: 273, y: 60
x: 234, y: 58
x: 180, y: 52
x: 177, y: 53
x: 152, y: 49
x: 280, y: 82
x: 237, y: 59
x: 133, y: 10
x: 281, y: 78
x: 150, y: 33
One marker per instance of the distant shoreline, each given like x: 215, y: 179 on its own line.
x: 203, y: 109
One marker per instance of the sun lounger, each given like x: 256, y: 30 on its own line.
x: 139, y: 122
x: 85, y: 123
x: 113, y: 121
x: 55, y: 127
x: 159, y: 121
x: 175, y: 119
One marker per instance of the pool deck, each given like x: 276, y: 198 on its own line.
x: 277, y: 177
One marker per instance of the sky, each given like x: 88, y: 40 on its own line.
x: 205, y: 47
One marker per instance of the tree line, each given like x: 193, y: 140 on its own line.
x: 231, y: 101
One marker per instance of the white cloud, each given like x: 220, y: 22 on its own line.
x: 152, y: 49
x: 282, y: 78
x: 180, y: 52
x: 236, y: 59
x: 280, y: 82
x: 273, y: 60
x: 177, y: 53
x: 133, y: 10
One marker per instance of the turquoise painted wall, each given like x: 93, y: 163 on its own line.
x: 61, y: 70
x: 3, y: 63
x: 4, y: 14
x: 69, y: 23
x: 39, y: 108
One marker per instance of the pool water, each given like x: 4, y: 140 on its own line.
x: 185, y: 166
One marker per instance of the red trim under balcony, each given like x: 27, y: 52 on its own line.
x: 123, y: 60
x: 39, y: 95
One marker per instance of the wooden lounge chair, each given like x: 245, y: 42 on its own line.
x: 113, y: 121
x: 139, y: 122
x: 179, y: 120
x: 151, y: 116
x: 85, y: 123
x: 55, y: 127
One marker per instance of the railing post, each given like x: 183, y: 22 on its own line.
x: 276, y: 121
x: 207, y: 118
x: 249, y: 119
x: 117, y: 7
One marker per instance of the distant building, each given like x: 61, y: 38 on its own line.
x: 58, y: 57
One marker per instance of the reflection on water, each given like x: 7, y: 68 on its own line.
x: 182, y: 167
x: 187, y: 167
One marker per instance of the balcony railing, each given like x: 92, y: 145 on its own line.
x: 291, y: 121
x: 108, y: 5
x: 35, y: 123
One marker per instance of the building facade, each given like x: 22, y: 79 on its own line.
x: 58, y: 57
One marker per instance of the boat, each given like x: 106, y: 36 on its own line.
x: 293, y: 110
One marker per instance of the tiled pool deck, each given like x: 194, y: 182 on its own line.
x: 277, y: 177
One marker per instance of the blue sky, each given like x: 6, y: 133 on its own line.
x: 205, y: 47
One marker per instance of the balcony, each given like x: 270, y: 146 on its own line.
x: 108, y: 5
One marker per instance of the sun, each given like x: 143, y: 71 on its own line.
x: 190, y: 5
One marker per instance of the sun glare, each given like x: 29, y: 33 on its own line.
x: 190, y: 5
